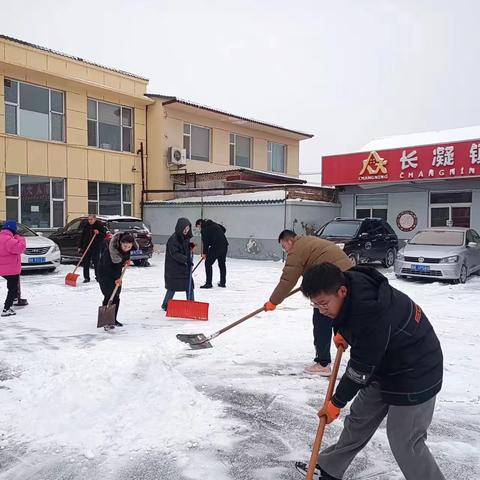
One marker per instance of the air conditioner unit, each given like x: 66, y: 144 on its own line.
x: 177, y: 156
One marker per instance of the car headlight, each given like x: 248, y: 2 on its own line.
x: 55, y: 248
x: 400, y: 256
x: 341, y: 245
x: 452, y: 259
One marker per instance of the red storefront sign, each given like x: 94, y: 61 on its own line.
x: 425, y: 162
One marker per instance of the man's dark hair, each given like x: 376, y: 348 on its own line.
x: 286, y: 235
x: 127, y: 238
x: 322, y: 278
x: 199, y: 222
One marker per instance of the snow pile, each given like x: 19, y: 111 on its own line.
x: 93, y: 401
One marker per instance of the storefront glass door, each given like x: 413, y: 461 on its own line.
x: 450, y: 209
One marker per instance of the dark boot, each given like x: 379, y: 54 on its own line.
x: 207, y: 285
x: 118, y: 324
x: 220, y: 284
x: 318, y: 473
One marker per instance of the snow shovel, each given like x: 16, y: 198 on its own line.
x: 198, y: 341
x: 188, y: 308
x: 196, y: 266
x: 106, y: 313
x: 323, y: 419
x: 71, y: 278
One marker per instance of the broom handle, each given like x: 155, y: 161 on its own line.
x: 323, y: 419
x: 112, y: 296
x: 198, y: 263
x: 250, y: 315
x: 85, y: 252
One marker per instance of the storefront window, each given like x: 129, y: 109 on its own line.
x: 450, y: 209
x: 367, y: 206
x: 38, y: 202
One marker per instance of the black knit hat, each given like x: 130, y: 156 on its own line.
x: 127, y: 238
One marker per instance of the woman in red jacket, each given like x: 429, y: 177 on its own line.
x: 11, y: 248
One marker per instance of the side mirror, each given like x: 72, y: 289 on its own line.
x: 364, y: 235
x: 472, y: 244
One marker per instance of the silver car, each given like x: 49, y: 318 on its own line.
x: 444, y: 253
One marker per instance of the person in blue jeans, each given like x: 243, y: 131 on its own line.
x: 178, y: 262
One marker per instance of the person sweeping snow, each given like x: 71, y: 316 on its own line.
x: 178, y: 262
x: 112, y: 261
x: 395, y: 369
x: 11, y: 248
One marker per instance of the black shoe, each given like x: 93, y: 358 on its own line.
x: 207, y: 285
x: 221, y: 285
x: 118, y: 324
x: 318, y: 473
x: 86, y: 280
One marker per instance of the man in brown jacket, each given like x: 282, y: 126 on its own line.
x: 303, y: 253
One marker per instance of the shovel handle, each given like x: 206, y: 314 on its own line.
x: 198, y: 263
x: 85, y: 252
x: 323, y: 421
x: 250, y: 315
x: 112, y: 296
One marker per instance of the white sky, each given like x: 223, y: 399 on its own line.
x: 346, y: 71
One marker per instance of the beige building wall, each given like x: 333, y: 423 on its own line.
x: 73, y: 159
x: 165, y: 129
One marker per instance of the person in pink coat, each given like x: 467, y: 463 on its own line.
x: 11, y: 248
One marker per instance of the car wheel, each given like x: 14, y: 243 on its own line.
x: 51, y: 270
x: 389, y: 259
x: 354, y: 258
x: 463, y: 275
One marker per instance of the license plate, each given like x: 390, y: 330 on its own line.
x: 136, y: 252
x: 420, y: 268
x: 36, y: 260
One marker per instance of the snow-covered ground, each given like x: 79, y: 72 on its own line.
x: 80, y: 403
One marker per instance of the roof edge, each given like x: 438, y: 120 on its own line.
x: 71, y: 57
x: 168, y: 100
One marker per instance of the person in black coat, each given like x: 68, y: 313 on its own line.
x: 91, y: 227
x: 395, y: 368
x: 215, y: 247
x: 178, y: 262
x: 112, y: 261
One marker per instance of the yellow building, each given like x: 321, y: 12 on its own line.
x: 73, y: 135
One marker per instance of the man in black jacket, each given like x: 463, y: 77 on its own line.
x: 92, y: 227
x: 395, y: 369
x: 215, y: 247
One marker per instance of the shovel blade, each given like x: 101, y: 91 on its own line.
x: 71, y: 279
x: 106, y: 315
x: 196, y: 341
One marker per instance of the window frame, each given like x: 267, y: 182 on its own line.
x: 50, y: 110
x: 122, y: 201
x: 121, y: 126
x: 51, y: 200
x: 189, y: 136
x: 449, y: 205
x: 234, y: 144
x: 270, y: 157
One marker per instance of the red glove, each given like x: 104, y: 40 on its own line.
x: 338, y: 340
x: 330, y: 411
x: 269, y: 306
x: 192, y: 246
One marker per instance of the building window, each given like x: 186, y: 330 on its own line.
x: 38, y: 202
x: 367, y: 206
x: 109, y: 126
x: 240, y: 150
x: 196, y: 141
x: 33, y: 111
x: 450, y: 209
x: 109, y: 198
x: 277, y: 154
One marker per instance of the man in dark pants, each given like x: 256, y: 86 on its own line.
x: 92, y: 227
x: 395, y: 369
x: 303, y: 253
x: 215, y: 247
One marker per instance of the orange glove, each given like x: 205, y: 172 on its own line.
x: 338, y: 340
x: 118, y: 282
x: 269, y: 306
x: 330, y: 411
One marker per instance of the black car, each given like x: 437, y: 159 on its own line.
x: 68, y: 237
x: 364, y: 240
